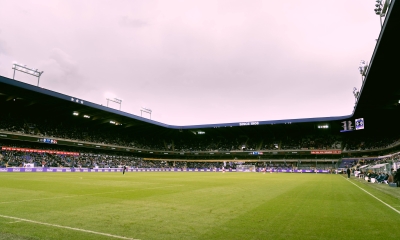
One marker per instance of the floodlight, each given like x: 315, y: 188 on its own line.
x: 86, y: 116
x: 363, y: 69
x: 116, y: 100
x: 75, y: 113
x: 146, y: 110
x: 381, y: 9
x: 356, y: 93
x: 25, y: 69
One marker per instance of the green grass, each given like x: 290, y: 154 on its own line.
x: 167, y: 205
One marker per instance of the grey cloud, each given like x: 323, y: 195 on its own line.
x: 61, y: 72
x: 125, y: 21
x: 65, y: 62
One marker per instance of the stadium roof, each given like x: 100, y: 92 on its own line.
x: 380, y: 94
x: 13, y: 89
x: 380, y: 90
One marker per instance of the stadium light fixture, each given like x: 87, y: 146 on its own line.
x: 116, y: 100
x: 86, y: 116
x: 115, y: 123
x: 146, y: 110
x: 381, y: 8
x: 378, y: 10
x: 75, y: 113
x: 363, y: 67
x: 25, y: 69
x: 356, y: 93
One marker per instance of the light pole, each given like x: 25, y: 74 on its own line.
x: 116, y: 100
x: 146, y: 110
x: 356, y: 94
x: 381, y: 8
x: 25, y: 69
x: 378, y: 9
x: 363, y: 69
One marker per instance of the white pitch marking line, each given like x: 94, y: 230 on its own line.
x: 83, y: 195
x: 66, y: 227
x: 374, y: 196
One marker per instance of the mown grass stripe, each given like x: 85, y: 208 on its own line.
x: 91, y: 194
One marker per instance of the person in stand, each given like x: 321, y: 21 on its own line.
x: 123, y: 170
x: 348, y: 172
x: 396, y: 178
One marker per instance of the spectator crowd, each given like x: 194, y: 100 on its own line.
x: 120, y: 137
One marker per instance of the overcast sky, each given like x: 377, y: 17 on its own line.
x: 195, y: 61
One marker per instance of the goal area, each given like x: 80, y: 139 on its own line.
x: 245, y: 168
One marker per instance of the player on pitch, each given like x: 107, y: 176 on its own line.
x: 123, y: 170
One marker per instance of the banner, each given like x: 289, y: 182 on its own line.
x: 87, y: 170
x: 327, y: 152
x: 39, y: 151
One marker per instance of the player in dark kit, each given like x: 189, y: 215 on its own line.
x: 123, y: 171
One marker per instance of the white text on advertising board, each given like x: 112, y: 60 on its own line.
x: 248, y: 123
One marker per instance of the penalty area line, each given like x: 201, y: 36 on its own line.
x: 394, y: 209
x: 66, y: 227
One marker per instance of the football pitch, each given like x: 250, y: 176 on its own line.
x: 191, y: 205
